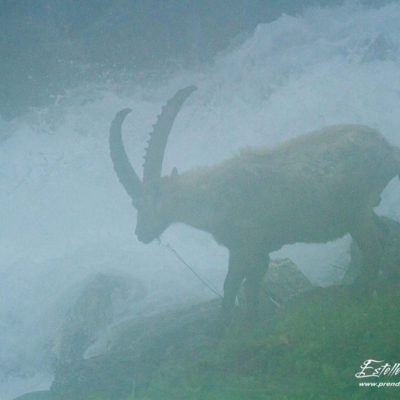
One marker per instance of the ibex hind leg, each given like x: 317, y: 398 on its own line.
x: 390, y: 262
x: 368, y: 235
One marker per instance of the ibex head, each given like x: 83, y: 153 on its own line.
x: 147, y: 194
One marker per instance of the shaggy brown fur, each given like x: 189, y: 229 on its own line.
x: 314, y: 188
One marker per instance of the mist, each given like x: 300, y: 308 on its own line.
x: 264, y: 74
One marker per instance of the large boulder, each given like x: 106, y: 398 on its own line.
x: 144, y: 349
x: 140, y: 351
x: 91, y: 313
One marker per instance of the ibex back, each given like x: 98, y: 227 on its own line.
x: 314, y: 188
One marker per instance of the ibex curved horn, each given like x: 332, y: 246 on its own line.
x: 123, y: 168
x: 155, y: 151
x: 158, y: 137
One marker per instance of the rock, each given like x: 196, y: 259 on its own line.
x: 105, y: 377
x: 92, y: 312
x: 282, y: 282
x: 389, y: 269
x: 110, y: 375
x: 140, y: 351
x: 144, y: 349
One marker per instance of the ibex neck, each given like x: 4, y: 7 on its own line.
x: 188, y: 201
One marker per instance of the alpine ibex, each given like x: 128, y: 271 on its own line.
x: 314, y: 188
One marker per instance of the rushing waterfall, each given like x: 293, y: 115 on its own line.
x: 64, y: 217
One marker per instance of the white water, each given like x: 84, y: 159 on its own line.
x: 65, y: 217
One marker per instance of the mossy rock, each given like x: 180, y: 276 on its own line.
x: 312, y: 351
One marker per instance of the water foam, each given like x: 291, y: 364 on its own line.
x: 65, y: 217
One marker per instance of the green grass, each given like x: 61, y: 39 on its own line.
x: 312, y: 351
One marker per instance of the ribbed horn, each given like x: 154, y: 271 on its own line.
x: 158, y: 137
x: 125, y: 172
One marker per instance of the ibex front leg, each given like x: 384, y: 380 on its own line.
x: 249, y: 265
x: 231, y: 286
x: 252, y: 285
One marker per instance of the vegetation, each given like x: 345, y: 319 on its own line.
x: 311, y: 350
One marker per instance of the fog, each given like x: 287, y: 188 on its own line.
x: 64, y: 215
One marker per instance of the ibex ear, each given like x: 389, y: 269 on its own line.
x: 174, y: 173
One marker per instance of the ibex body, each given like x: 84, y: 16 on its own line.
x: 314, y: 188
